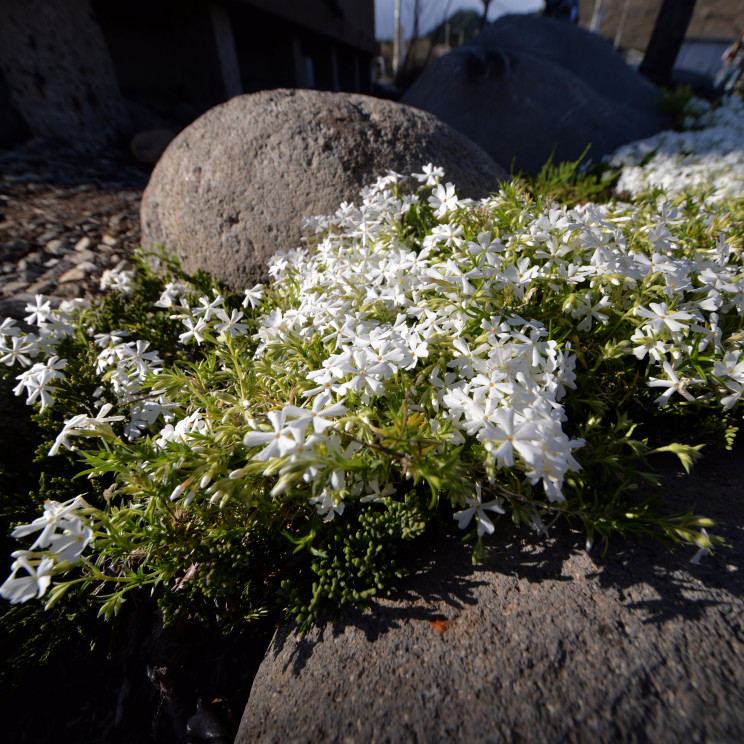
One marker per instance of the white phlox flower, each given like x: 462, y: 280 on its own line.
x: 430, y: 175
x: 64, y: 533
x: 118, y: 279
x: 38, y: 381
x: 327, y: 504
x: 253, y: 296
x: 86, y: 426
x: 661, y: 318
x: 443, y: 199
x: 31, y: 585
x: 476, y: 508
x: 673, y: 384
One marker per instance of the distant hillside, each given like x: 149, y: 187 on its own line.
x: 712, y: 18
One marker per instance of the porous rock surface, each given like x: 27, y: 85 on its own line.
x: 544, y: 643
x: 529, y: 87
x: 235, y: 186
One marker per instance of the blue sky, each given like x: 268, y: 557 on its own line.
x: 433, y: 12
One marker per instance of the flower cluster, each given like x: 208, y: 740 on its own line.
x: 64, y: 534
x: 418, y: 340
x: 710, y: 159
x: 20, y: 349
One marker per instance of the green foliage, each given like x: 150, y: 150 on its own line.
x: 356, y: 559
x: 189, y: 509
x: 570, y: 183
x: 676, y: 103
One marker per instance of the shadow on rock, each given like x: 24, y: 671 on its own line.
x: 657, y: 583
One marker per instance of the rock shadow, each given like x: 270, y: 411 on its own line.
x: 442, y: 586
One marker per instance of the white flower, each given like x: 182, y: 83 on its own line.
x: 230, y: 325
x: 9, y: 327
x: 171, y: 293
x: 83, y: 426
x: 367, y: 373
x: 280, y: 442
x: 731, y: 366
x: 512, y: 433
x: 478, y: 509
x: 119, y: 280
x: 253, y: 296
x: 321, y: 416
x: 673, y: 384
x: 17, y: 351
x: 39, y: 311
x: 135, y: 354
x: 430, y: 175
x: 443, y: 199
x: 589, y: 312
x: 38, y: 382
x: 56, y: 516
x: 69, y: 545
x: 328, y: 505
x: 208, y: 307
x: 374, y: 493
x: 194, y: 330
x: 701, y: 551
x: 661, y: 317
x: 110, y: 338
x: 31, y: 585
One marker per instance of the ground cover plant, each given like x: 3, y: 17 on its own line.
x: 423, y: 363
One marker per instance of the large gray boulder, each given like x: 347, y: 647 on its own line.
x: 234, y: 187
x: 543, y: 644
x: 522, y: 98
x: 587, y: 55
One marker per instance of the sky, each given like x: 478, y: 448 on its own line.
x: 435, y: 11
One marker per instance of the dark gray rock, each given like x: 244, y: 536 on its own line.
x: 545, y: 643
x: 235, y: 186
x: 587, y: 55
x: 529, y: 87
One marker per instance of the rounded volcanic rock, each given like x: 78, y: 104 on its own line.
x: 235, y: 186
x: 530, y: 89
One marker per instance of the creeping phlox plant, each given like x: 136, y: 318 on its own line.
x: 709, y: 159
x: 425, y: 360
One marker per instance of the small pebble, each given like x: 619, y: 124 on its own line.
x: 83, y: 244
x: 56, y: 247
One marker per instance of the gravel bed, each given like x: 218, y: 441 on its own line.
x: 63, y: 222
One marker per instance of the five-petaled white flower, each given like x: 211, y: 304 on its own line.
x: 478, y: 509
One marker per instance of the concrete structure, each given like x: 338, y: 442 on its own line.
x: 702, y: 55
x: 145, y: 64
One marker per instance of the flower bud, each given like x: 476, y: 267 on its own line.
x: 178, y: 491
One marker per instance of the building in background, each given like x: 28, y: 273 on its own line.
x: 94, y: 72
x: 628, y: 25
